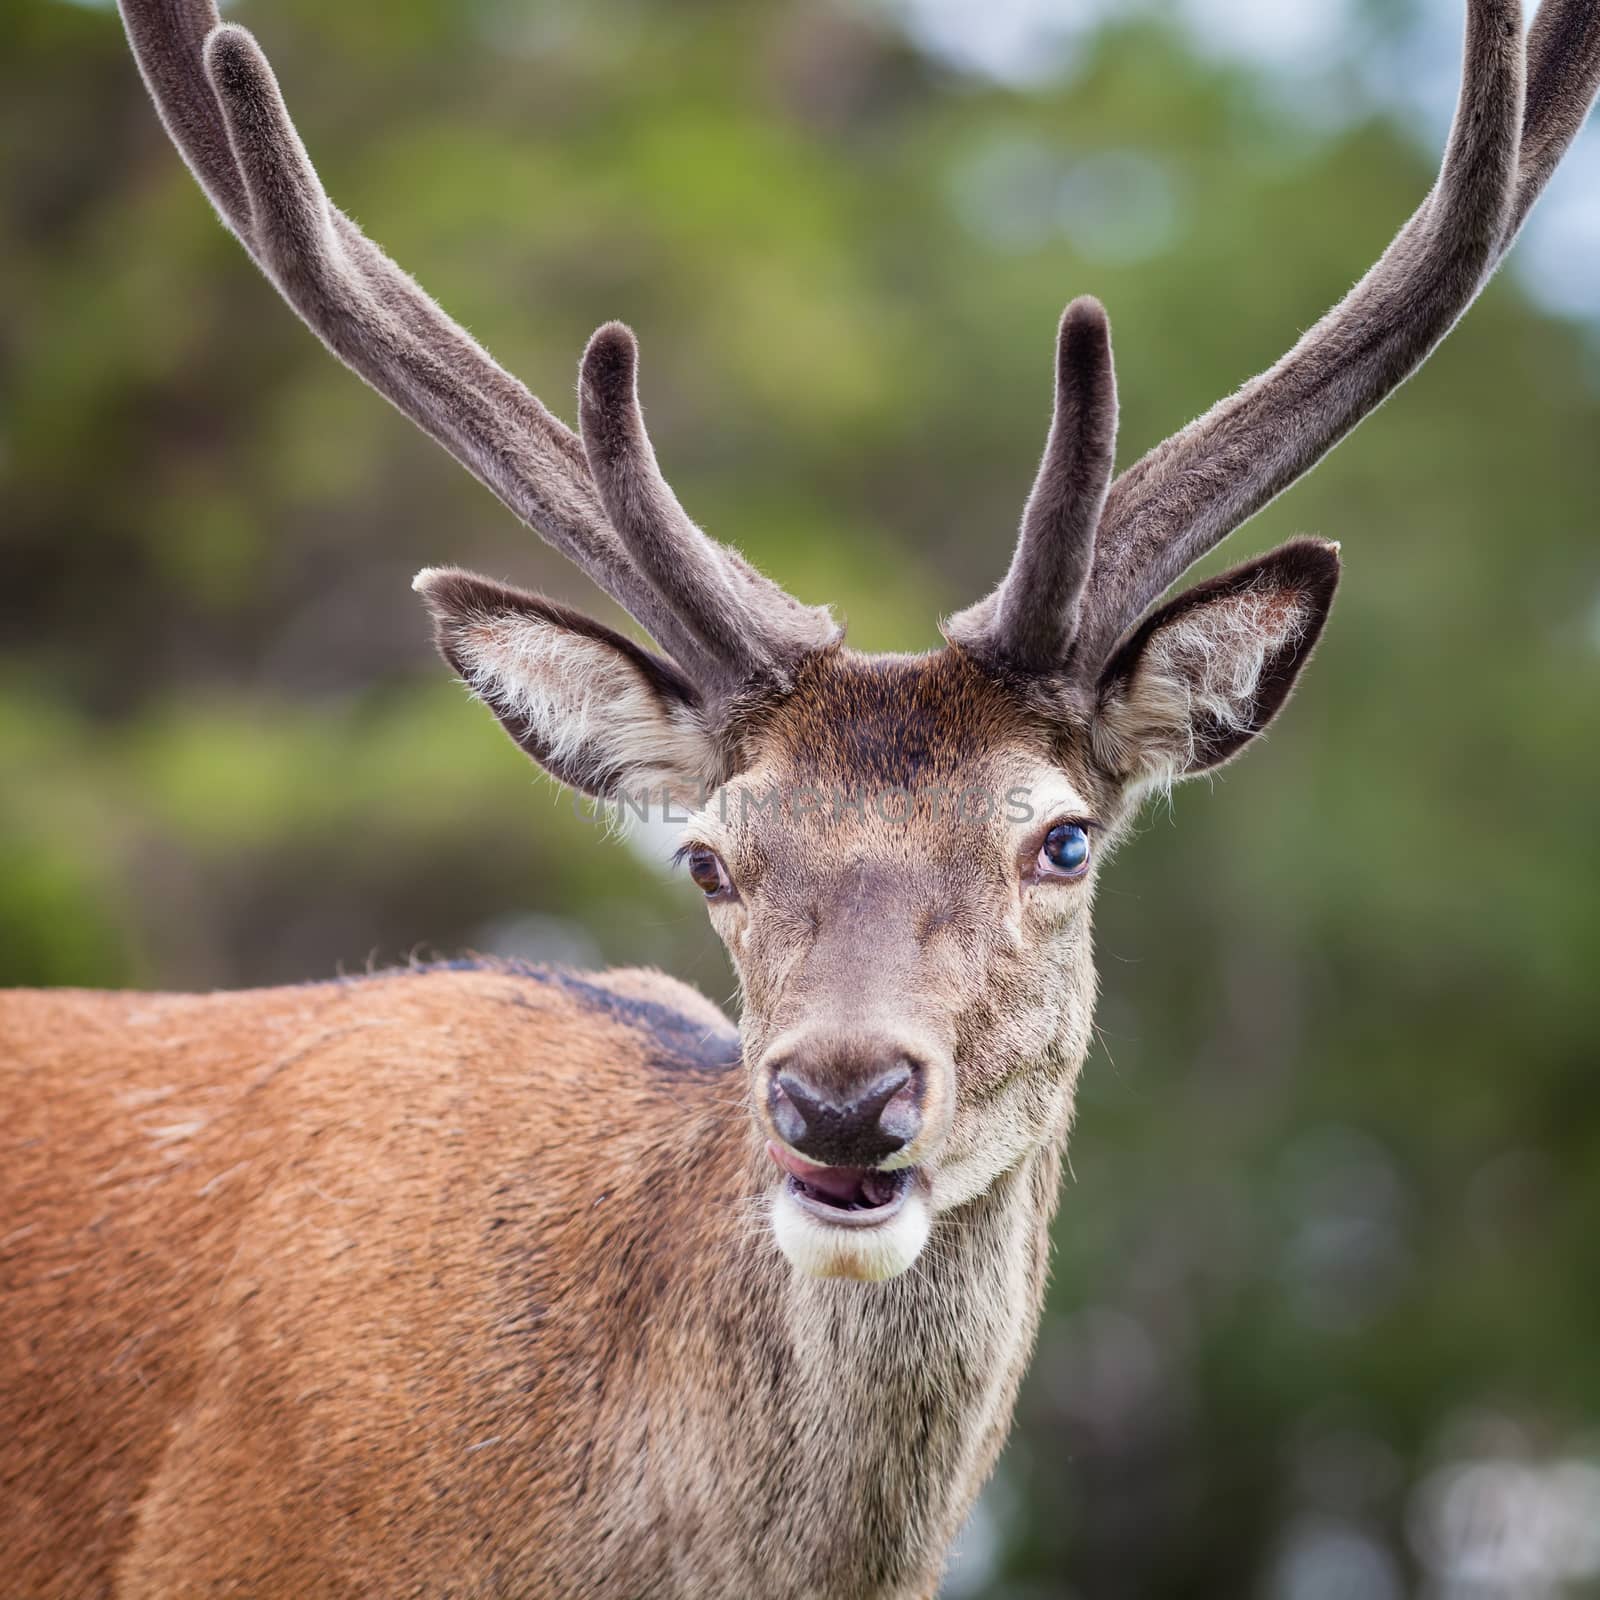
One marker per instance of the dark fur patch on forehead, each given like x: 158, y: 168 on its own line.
x: 884, y: 722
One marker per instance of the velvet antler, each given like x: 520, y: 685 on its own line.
x: 1518, y: 112
x: 722, y: 622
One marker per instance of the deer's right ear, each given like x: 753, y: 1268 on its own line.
x: 591, y: 707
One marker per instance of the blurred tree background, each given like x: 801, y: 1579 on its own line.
x: 1325, y: 1320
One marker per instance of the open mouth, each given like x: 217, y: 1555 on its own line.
x: 850, y: 1196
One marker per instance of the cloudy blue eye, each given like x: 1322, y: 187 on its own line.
x: 1065, y: 851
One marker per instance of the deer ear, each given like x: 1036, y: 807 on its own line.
x: 1207, y: 672
x: 591, y: 707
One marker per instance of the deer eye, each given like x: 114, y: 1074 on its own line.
x: 708, y: 872
x: 1065, y: 851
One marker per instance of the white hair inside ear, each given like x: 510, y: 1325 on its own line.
x: 587, y: 705
x: 1208, y: 672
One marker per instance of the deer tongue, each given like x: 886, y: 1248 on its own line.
x: 837, y: 1183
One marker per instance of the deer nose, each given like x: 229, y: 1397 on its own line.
x: 859, y: 1128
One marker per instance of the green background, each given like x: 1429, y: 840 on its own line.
x: 1325, y: 1318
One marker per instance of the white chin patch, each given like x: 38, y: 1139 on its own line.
x: 832, y: 1250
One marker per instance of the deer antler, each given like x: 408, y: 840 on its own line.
x: 1089, y: 561
x: 723, y: 622
x: 1190, y: 492
x: 1185, y: 496
x: 1028, y: 623
x: 1562, y: 76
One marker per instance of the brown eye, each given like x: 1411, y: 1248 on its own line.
x: 708, y: 872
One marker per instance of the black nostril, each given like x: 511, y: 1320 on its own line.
x: 901, y: 1116
x: 787, y: 1116
x: 866, y: 1129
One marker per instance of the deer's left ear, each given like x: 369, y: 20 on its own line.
x: 1204, y: 674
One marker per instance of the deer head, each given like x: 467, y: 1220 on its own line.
x: 900, y: 853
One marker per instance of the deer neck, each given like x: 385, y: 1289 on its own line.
x: 872, y: 1413
x: 940, y: 1348
x: 858, y: 1419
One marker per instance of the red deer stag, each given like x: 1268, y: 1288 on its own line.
x: 483, y: 1280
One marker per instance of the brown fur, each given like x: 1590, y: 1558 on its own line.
x: 334, y: 1290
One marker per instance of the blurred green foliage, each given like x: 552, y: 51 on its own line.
x: 1337, y: 1170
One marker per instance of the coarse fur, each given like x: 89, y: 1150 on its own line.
x: 351, y: 1304
x: 486, y: 1280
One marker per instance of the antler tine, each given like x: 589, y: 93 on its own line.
x: 1563, y: 76
x: 713, y: 592
x: 1028, y: 623
x: 1189, y: 493
x: 220, y: 102
x: 361, y: 314
x: 168, y: 38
